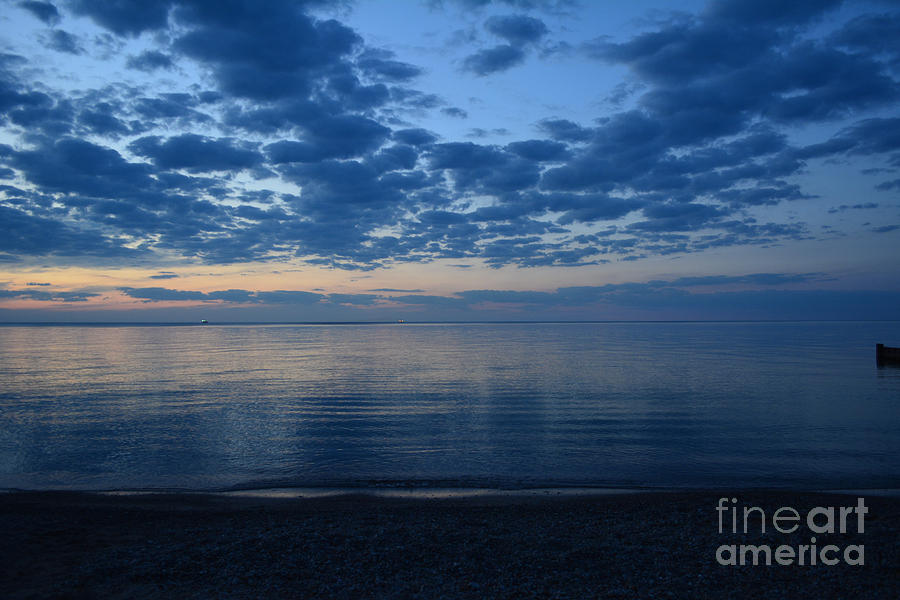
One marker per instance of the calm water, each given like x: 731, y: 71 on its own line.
x: 656, y: 404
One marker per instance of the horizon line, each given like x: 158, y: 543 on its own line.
x: 437, y: 322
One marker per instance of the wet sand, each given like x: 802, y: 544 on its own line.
x: 545, y: 545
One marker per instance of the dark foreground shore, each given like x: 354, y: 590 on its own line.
x: 647, y: 545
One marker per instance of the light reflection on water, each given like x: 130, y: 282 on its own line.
x: 656, y: 404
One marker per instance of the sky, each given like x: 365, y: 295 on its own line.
x: 450, y: 160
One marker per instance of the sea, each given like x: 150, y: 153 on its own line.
x: 222, y: 407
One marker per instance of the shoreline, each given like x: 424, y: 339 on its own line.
x: 444, y: 492
x: 354, y: 544
x: 448, y: 491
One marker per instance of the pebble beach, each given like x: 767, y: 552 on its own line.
x: 359, y: 545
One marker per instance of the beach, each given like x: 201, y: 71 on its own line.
x: 354, y: 544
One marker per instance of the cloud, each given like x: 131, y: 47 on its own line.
x: 45, y: 296
x: 492, y: 60
x: 565, y: 130
x: 871, y: 34
x: 517, y: 30
x: 197, y: 153
x: 45, y: 11
x: 150, y: 60
x: 329, y: 125
x: 73, y: 165
x: 353, y: 299
x: 754, y: 295
x: 125, y: 17
x: 102, y: 120
x: 63, y: 41
x: 28, y: 235
x: 415, y: 136
x: 453, y: 111
x: 381, y: 65
x: 344, y: 136
x: 540, y: 150
x: 289, y: 297
x: 768, y: 12
x: 159, y: 294
x: 549, y: 6
x: 277, y: 54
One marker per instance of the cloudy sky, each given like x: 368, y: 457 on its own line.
x: 449, y: 160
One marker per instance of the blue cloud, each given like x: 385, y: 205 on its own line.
x: 517, y: 30
x: 63, y: 41
x: 704, y: 141
x: 493, y: 60
x: 277, y: 53
x: 197, y: 153
x: 45, y: 11
x: 381, y: 65
x: 125, y: 17
x: 150, y: 60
